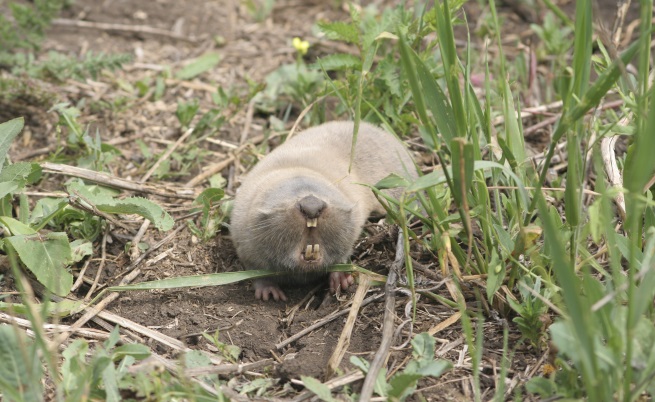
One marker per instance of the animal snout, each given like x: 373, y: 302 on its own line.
x: 311, y: 206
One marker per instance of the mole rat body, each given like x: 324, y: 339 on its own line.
x: 299, y: 210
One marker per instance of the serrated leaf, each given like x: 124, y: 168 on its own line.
x: 132, y: 205
x: 8, y: 131
x: 140, y: 206
x: 203, y: 63
x: 339, y: 30
x: 339, y: 61
x: 46, y: 256
x: 21, y: 173
x: 20, y: 373
x: 321, y: 390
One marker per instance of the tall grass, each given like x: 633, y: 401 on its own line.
x: 605, y: 334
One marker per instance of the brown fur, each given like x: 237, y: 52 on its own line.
x: 308, y: 177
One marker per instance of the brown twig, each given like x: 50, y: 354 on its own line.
x: 141, y: 29
x: 134, y: 250
x: 101, y: 266
x: 324, y: 321
x: 80, y: 276
x: 387, y: 324
x: 116, y: 182
x: 166, y: 155
x: 344, y: 340
x: 92, y: 311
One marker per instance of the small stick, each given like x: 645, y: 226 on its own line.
x: 80, y: 276
x: 116, y: 182
x: 387, y: 324
x: 103, y: 259
x: 166, y: 155
x: 246, y: 125
x: 301, y: 115
x: 344, y: 340
x: 134, y: 250
x: 92, y: 311
x: 324, y: 321
x: 144, y: 29
x: 88, y: 333
x: 612, y: 170
x: 216, y: 168
x: 227, y: 368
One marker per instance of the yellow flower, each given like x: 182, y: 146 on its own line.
x: 301, y: 45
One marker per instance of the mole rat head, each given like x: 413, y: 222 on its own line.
x: 305, y: 225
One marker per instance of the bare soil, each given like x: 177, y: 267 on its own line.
x: 249, y: 50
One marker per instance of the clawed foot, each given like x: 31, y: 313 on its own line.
x: 266, y: 289
x: 340, y: 281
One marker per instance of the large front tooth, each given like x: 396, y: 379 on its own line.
x: 308, y: 252
x: 311, y: 223
x: 315, y: 251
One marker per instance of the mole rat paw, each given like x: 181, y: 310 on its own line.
x: 340, y: 281
x: 266, y: 289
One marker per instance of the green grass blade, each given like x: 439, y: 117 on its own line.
x: 591, y: 98
x: 579, y: 313
x: 224, y: 278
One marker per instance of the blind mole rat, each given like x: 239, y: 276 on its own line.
x: 299, y: 210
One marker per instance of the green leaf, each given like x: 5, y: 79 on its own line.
x: 344, y: 31
x: 437, y: 177
x: 80, y: 249
x: 132, y: 205
x: 423, y: 345
x: 21, y: 173
x: 135, y: 350
x: 495, y: 276
x: 380, y: 382
x: 46, y: 256
x: 392, y: 181
x: 20, y: 373
x: 210, y: 196
x: 63, y: 308
x: 8, y: 188
x: 203, y: 63
x: 462, y: 168
x: 321, y: 390
x: 434, y: 368
x: 16, y: 227
x: 8, y: 131
x: 402, y: 385
x: 339, y: 61
x: 542, y: 386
